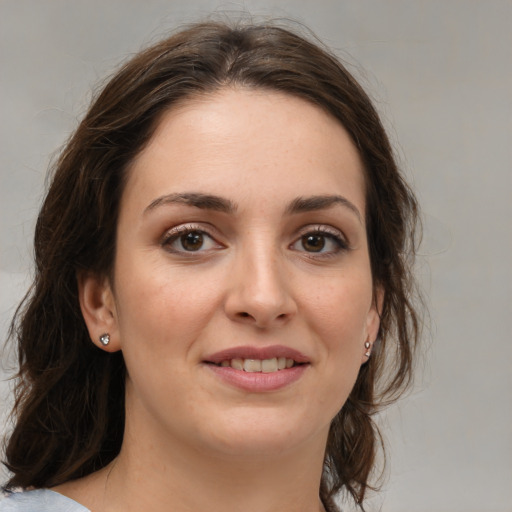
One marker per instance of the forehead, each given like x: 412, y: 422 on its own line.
x: 249, y: 142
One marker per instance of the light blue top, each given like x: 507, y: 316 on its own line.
x: 39, y: 500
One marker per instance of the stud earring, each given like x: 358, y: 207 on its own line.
x: 105, y: 339
x: 367, y: 346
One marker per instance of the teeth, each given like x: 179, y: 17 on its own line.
x: 252, y: 365
x: 269, y: 365
x: 259, y: 365
x: 237, y: 364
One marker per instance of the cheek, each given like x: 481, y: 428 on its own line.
x: 340, y: 309
x: 160, y: 314
x: 160, y: 306
x: 338, y: 317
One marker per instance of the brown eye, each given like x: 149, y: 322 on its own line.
x: 186, y: 240
x: 192, y: 241
x: 313, y: 243
x: 321, y: 243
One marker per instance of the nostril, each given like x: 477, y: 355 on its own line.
x: 244, y: 314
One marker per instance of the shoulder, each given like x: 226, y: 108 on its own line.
x: 39, y: 500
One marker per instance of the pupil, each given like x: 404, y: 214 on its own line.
x: 192, y: 241
x: 313, y: 243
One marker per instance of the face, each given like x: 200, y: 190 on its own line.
x: 242, y: 294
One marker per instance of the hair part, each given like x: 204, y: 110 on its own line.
x: 70, y: 419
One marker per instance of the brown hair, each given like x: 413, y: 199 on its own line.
x: 69, y: 410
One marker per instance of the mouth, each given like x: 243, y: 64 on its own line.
x: 250, y: 365
x: 255, y: 368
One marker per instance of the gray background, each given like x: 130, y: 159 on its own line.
x: 441, y: 75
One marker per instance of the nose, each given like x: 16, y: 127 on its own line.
x: 260, y: 291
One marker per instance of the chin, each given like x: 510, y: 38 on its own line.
x: 262, y: 434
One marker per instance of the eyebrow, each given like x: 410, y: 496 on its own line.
x: 313, y: 203
x: 220, y: 204
x: 203, y: 201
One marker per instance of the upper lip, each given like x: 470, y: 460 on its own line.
x: 252, y: 352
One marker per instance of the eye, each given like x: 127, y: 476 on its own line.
x: 188, y: 239
x: 320, y: 241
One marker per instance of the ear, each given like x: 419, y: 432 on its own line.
x: 98, y: 309
x: 373, y: 321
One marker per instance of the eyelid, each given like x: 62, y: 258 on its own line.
x: 176, y: 232
x: 335, y: 234
x: 322, y: 228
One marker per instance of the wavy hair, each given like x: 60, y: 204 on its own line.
x: 69, y: 407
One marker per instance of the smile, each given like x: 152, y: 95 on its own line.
x: 259, y: 365
x: 257, y: 369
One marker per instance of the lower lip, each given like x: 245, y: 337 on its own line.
x: 259, y: 382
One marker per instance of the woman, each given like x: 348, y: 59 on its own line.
x: 223, y: 294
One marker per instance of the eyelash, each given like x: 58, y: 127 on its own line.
x: 325, y: 232
x: 175, y: 234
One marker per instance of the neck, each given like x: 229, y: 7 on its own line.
x: 159, y: 472
x: 141, y: 478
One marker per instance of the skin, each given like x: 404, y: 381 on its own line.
x: 193, y: 441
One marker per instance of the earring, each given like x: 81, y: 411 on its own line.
x: 367, y: 346
x: 105, y: 339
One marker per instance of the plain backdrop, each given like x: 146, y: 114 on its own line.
x: 440, y: 73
